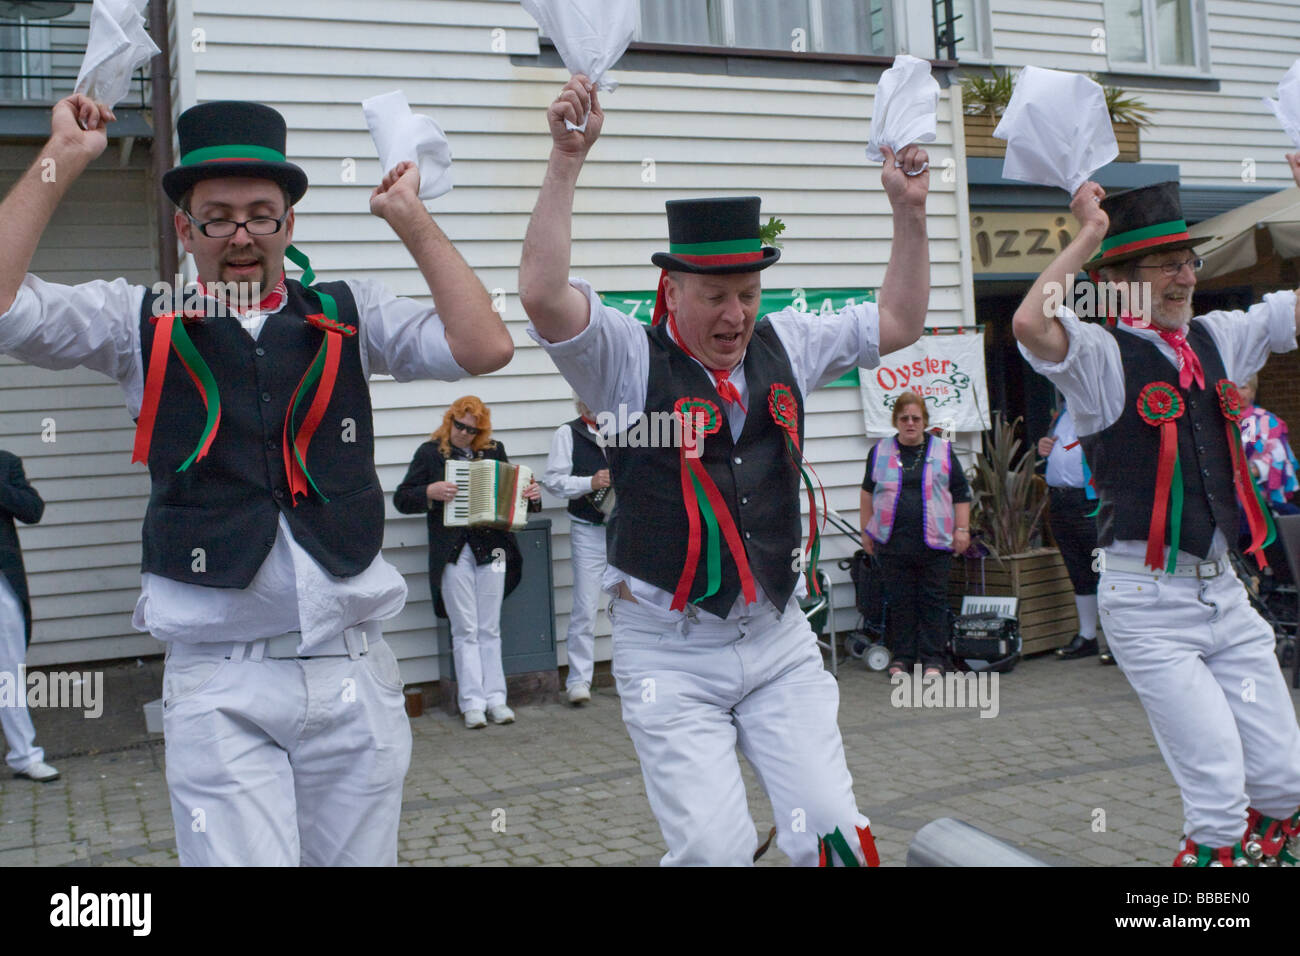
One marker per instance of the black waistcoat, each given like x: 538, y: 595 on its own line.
x: 1124, y: 457
x: 588, y: 458
x: 759, y: 484
x: 228, y: 503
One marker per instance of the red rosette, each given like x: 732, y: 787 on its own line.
x: 1229, y: 399
x: 784, y: 408
x: 700, y: 414
x: 1159, y: 403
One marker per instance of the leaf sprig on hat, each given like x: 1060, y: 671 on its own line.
x: 767, y: 234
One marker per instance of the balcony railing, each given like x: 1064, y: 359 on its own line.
x: 41, y: 48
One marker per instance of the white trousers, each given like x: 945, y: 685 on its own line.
x: 1203, y: 665
x: 15, y: 721
x: 587, y: 546
x: 472, y: 594
x: 285, y: 762
x: 692, y: 693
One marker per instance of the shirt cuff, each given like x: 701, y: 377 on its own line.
x: 1070, y: 322
x: 1281, y: 320
x: 580, y: 342
x: 16, y: 325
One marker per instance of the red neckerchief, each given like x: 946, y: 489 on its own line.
x: 1189, y: 366
x: 727, y: 390
x: 591, y: 422
x: 271, y: 302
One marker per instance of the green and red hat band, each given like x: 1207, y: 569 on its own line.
x: 1160, y: 234
x: 236, y: 153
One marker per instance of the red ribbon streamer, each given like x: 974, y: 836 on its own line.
x: 1164, y: 479
x: 1246, y: 495
x: 683, y: 592
x: 162, y: 337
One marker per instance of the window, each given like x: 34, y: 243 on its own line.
x: 816, y: 26
x: 1164, y: 35
x: 971, y: 28
x: 33, y: 63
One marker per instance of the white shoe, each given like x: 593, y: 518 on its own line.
x: 580, y: 693
x: 501, y: 714
x: 474, y: 719
x: 40, y: 771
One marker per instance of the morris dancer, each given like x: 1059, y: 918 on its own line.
x: 1155, y: 405
x: 710, y: 648
x: 261, y: 566
x: 578, y: 470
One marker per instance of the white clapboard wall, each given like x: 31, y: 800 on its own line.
x: 72, y: 430
x: 797, y: 143
x: 1217, y: 137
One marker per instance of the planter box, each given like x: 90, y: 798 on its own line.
x: 1048, y: 618
x: 981, y: 142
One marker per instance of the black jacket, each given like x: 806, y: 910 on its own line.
x: 18, y: 500
x: 445, y: 543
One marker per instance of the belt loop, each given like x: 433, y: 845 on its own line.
x: 354, y: 639
x: 256, y: 651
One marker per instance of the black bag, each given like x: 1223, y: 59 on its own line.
x: 868, y: 589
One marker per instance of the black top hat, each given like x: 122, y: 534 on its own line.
x: 1142, y: 221
x: 232, y: 138
x: 715, y: 237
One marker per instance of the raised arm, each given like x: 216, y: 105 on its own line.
x: 77, y: 137
x: 1035, y: 324
x: 904, y: 296
x: 559, y: 311
x: 479, y: 340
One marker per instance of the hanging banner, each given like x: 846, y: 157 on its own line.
x: 946, y: 370
x: 640, y: 305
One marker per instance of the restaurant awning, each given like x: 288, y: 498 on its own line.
x: 1231, y: 236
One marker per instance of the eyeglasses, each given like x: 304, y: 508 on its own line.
x: 910, y: 418
x: 469, y: 429
x: 1173, y: 268
x: 225, y: 228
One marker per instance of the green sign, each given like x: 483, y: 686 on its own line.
x: 640, y: 305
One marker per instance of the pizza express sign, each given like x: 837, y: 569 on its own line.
x: 1017, y: 242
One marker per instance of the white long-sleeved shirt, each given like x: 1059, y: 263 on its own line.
x: 559, y: 478
x: 1091, y: 376
x: 96, y: 324
x: 608, y: 364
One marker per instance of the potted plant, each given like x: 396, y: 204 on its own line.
x: 1006, y: 558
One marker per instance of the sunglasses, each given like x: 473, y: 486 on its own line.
x: 468, y: 429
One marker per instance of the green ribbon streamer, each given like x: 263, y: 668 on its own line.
x: 327, y: 303
x: 188, y: 354
x: 1268, y: 515
x: 311, y: 378
x: 840, y: 845
x: 713, y: 560
x: 1175, y: 514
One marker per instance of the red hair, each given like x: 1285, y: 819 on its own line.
x: 465, y: 405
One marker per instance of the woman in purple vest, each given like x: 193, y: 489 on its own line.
x: 915, y: 515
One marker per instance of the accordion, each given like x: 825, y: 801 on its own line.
x: 603, y: 500
x: 489, y: 494
x: 985, y: 637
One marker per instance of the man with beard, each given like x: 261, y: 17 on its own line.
x: 287, y: 740
x: 1156, y: 410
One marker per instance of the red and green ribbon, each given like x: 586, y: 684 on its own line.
x: 170, y: 334
x: 1262, y: 531
x: 834, y: 845
x: 701, y: 498
x: 785, y: 412
x: 327, y: 304
x: 1161, y: 406
x: 1205, y: 855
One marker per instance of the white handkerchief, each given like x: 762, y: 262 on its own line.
x: 590, y: 35
x: 402, y: 136
x: 1287, y: 105
x: 117, y: 47
x: 1057, y: 129
x: 906, y: 100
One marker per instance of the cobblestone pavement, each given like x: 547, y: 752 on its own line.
x: 1069, y: 743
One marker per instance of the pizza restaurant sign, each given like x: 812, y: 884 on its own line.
x: 1018, y: 242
